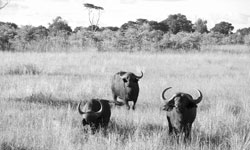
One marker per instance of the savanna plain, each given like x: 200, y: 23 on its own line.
x: 40, y: 92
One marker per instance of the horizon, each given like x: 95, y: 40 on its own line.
x: 116, y: 13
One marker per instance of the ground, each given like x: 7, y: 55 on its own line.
x: 40, y: 92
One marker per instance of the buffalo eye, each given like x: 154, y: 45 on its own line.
x: 136, y: 80
x: 125, y: 80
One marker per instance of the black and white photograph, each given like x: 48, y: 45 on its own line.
x: 124, y: 74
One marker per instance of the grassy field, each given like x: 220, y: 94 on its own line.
x: 40, y: 91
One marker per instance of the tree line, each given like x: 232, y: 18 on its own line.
x: 175, y: 32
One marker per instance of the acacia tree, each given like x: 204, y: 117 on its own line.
x: 92, y: 9
x: 2, y: 5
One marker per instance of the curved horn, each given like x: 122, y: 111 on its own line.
x: 162, y: 94
x: 198, y: 100
x: 91, y: 115
x: 79, y: 109
x: 139, y: 77
x: 98, y: 114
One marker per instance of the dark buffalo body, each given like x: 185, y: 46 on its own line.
x: 124, y: 85
x: 181, y: 112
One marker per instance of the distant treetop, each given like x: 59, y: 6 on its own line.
x: 91, y: 6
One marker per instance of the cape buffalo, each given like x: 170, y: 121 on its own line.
x: 96, y: 113
x: 125, y: 86
x: 181, y: 112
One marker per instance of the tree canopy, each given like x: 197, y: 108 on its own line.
x: 59, y: 25
x: 94, y: 22
x: 178, y: 23
x: 223, y: 28
x: 200, y: 26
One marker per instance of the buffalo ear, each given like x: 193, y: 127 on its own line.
x: 167, y: 108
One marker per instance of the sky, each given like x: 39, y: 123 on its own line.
x: 118, y: 12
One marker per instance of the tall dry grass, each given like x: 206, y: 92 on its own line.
x: 40, y: 91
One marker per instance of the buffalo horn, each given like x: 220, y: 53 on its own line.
x: 91, y: 113
x: 162, y: 95
x: 198, y: 100
x: 79, y: 109
x: 139, y: 77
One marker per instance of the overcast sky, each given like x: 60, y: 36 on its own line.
x: 117, y: 12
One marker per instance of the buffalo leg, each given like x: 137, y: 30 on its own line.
x: 187, y: 132
x: 115, y: 98
x: 133, y: 107
x: 127, y: 104
x: 170, y: 127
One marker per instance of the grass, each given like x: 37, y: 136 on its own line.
x: 40, y: 91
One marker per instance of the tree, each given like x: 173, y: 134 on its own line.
x: 141, y: 21
x: 7, y: 35
x: 158, y: 26
x: 2, y: 5
x: 223, y: 28
x: 109, y: 28
x: 91, y: 12
x: 129, y: 24
x: 58, y: 26
x: 77, y: 29
x: 178, y: 23
x: 243, y: 31
x: 11, y: 25
x: 200, y: 26
x: 38, y: 33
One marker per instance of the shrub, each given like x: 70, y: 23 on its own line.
x: 247, y: 39
x: 186, y: 41
x: 212, y: 38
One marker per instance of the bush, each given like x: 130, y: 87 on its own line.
x: 182, y: 40
x: 247, y: 39
x: 212, y: 38
x: 7, y: 34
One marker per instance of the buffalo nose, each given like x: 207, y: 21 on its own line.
x: 84, y: 122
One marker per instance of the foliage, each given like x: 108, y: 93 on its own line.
x: 129, y: 24
x: 247, y: 39
x: 182, y: 40
x: 243, y: 31
x: 223, y: 28
x: 212, y: 38
x: 178, y: 23
x: 139, y: 35
x: 59, y: 25
x: 91, y: 12
x: 200, y: 26
x: 7, y: 34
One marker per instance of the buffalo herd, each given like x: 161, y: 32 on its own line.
x: 180, y: 109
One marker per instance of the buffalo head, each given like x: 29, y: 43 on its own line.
x: 125, y: 86
x: 96, y: 113
x: 181, y: 112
